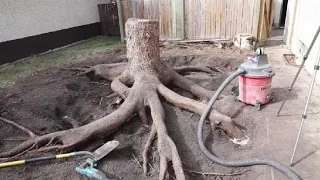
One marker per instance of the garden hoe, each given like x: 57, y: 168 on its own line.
x: 86, y: 168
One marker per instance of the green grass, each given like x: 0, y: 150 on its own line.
x: 10, y: 73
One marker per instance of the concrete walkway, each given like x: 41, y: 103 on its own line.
x: 281, y: 132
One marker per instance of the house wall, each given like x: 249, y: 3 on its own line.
x: 33, y: 26
x: 301, y: 25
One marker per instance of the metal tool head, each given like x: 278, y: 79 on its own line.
x: 105, y: 149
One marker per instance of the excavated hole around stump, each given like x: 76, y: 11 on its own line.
x: 53, y: 100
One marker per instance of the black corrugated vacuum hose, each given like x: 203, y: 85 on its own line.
x: 237, y: 163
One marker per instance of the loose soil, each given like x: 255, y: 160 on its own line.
x: 57, y: 99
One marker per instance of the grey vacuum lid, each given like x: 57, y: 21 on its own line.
x: 257, y: 65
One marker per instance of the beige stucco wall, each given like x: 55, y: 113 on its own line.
x: 303, y: 27
x: 23, y: 18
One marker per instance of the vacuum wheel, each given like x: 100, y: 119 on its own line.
x: 257, y: 104
x: 273, y: 97
x: 235, y: 93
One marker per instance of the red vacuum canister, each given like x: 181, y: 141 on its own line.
x: 255, y: 84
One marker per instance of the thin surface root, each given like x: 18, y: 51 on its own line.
x: 146, y: 149
x: 29, y: 132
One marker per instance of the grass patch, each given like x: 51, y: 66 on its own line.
x: 10, y: 73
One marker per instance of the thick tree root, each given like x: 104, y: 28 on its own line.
x: 192, y: 87
x: 69, y: 139
x: 105, y: 71
x: 232, y: 130
x: 178, y: 80
x: 112, y: 72
x: 166, y: 147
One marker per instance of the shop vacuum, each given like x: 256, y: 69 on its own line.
x: 255, y: 77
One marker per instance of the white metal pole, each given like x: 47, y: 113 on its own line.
x: 304, y: 115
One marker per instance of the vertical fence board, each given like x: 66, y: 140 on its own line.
x: 228, y: 20
x: 245, y: 12
x: 155, y: 9
x: 174, y: 18
x: 233, y: 17
x: 231, y: 11
x: 180, y: 18
x: 197, y: 19
x: 223, y: 19
x: 168, y: 17
x: 239, y: 16
x: 250, y: 17
x: 195, y: 23
x: 236, y: 16
x: 134, y: 8
x: 202, y: 18
x: 241, y: 22
x: 163, y: 19
x: 147, y: 12
x: 217, y: 15
x: 212, y: 26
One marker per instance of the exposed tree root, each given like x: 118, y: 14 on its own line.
x: 138, y: 82
x: 166, y: 147
x: 69, y: 139
x: 147, y: 147
x: 29, y: 132
x: 105, y: 71
x: 23, y: 152
x: 188, y: 69
x: 215, y: 116
x: 192, y: 87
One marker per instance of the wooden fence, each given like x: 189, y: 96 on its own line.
x: 168, y: 12
x: 197, y: 19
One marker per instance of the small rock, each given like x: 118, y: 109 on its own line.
x: 118, y: 100
x: 220, y: 46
